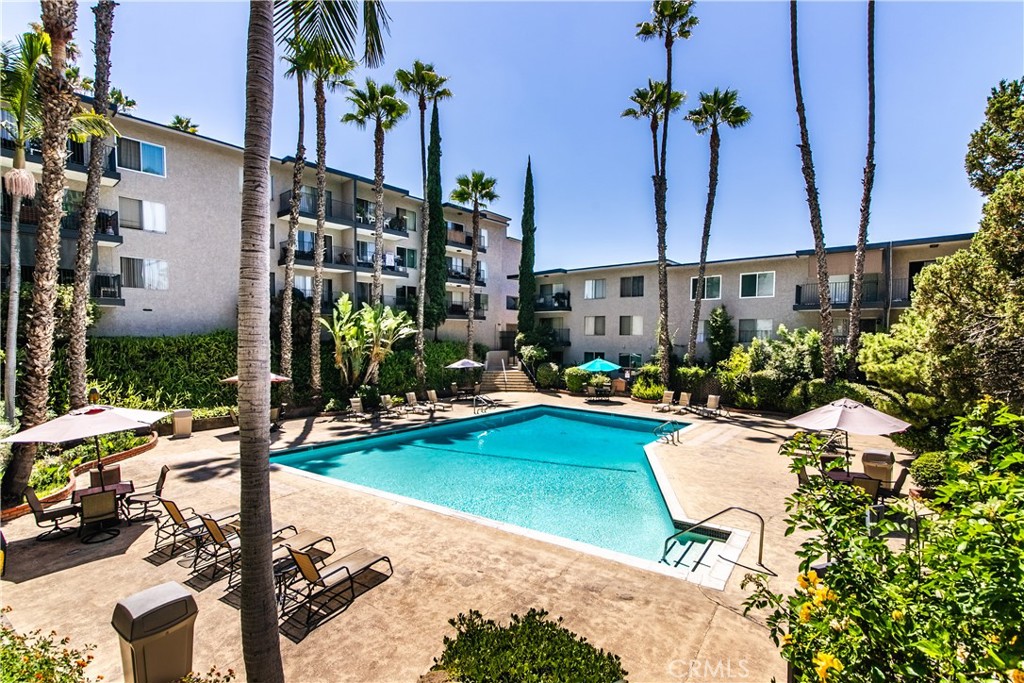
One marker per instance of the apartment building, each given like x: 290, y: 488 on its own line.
x: 167, y: 238
x: 612, y: 311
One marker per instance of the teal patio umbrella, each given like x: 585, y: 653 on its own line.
x: 600, y: 365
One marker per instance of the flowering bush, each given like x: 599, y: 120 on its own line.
x: 43, y: 658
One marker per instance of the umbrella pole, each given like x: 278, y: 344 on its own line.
x: 99, y: 459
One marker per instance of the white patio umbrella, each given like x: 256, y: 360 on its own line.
x: 464, y: 364
x: 849, y: 416
x: 274, y: 379
x: 89, y: 422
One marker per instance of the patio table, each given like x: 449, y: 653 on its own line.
x: 120, y: 489
x: 845, y: 477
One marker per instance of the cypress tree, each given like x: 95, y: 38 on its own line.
x: 435, y: 309
x: 527, y: 281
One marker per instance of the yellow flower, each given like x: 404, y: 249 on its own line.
x: 823, y: 662
x: 992, y: 638
x: 808, y: 580
x: 1017, y: 676
x: 787, y: 639
x: 897, y: 615
x: 820, y: 595
x: 805, y: 612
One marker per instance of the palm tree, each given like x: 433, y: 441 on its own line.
x: 184, y: 124
x: 716, y: 109
x: 261, y: 650
x: 428, y: 86
x: 104, y: 11
x: 853, y: 340
x: 476, y: 189
x: 650, y: 106
x: 828, y: 360
x: 670, y: 21
x: 380, y: 105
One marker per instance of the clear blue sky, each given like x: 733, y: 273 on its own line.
x: 550, y: 80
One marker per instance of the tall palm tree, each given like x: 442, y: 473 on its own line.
x: 261, y: 650
x: 670, y: 21
x: 828, y: 360
x: 428, y: 86
x: 104, y: 12
x: 380, y: 105
x: 477, y: 190
x: 853, y: 340
x: 717, y: 108
x: 650, y: 106
x: 184, y: 124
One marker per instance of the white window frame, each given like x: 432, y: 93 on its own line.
x: 593, y: 282
x: 706, y: 297
x: 763, y: 332
x: 141, y: 142
x: 592, y: 320
x: 755, y: 274
x: 636, y: 325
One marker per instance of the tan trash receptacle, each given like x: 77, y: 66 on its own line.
x: 182, y: 420
x: 618, y: 386
x: 156, y: 628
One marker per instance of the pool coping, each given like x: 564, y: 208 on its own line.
x: 714, y: 575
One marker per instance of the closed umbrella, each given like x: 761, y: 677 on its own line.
x: 464, y: 364
x: 600, y: 365
x: 849, y: 416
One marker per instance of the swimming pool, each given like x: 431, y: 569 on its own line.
x: 575, y: 474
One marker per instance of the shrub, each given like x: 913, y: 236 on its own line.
x: 918, y: 440
x: 598, y: 380
x: 531, y: 648
x: 819, y: 393
x: 929, y: 469
x: 797, y: 400
x: 37, y: 657
x: 547, y: 375
x: 769, y: 389
x: 721, y: 335
x: 575, y: 379
x: 690, y: 378
x: 647, y: 392
x: 532, y: 354
x: 734, y: 375
x: 51, y: 472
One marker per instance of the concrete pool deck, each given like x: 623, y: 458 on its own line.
x: 664, y: 629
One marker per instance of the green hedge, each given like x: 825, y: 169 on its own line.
x: 547, y: 376
x: 769, y: 389
x: 689, y: 378
x: 575, y: 379
x: 929, y: 469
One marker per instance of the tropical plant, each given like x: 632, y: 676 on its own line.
x: 381, y: 106
x: 527, y: 280
x: 184, y: 124
x: 261, y: 651
x: 477, y: 190
x: 364, y: 339
x: 813, y: 204
x: 104, y: 11
x: 348, y: 338
x: 426, y: 84
x: 670, y: 21
x: 717, y: 108
x: 435, y: 305
x: 997, y: 147
x: 721, y: 336
x: 382, y: 328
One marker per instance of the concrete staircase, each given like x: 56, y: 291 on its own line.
x: 509, y: 380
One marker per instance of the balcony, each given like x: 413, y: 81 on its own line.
x: 555, y: 302
x: 391, y: 267
x: 105, y: 288
x: 460, y: 239
x: 334, y: 210
x: 872, y: 295
x: 326, y: 298
x: 335, y: 258
x: 460, y: 311
x: 108, y: 228
x: 460, y: 275
x: 560, y: 336
x: 77, y: 160
x: 395, y: 227
x: 400, y: 303
x: 900, y: 292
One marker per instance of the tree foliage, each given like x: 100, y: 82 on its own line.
x: 527, y: 281
x: 364, y: 338
x: 435, y: 311
x: 721, y: 335
x: 997, y: 147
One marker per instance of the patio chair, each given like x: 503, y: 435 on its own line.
x: 870, y: 486
x: 224, y: 542
x: 387, y: 407
x: 355, y: 411
x: 145, y: 498
x: 714, y: 406
x: 412, y: 405
x: 316, y: 581
x: 684, y: 403
x: 111, y: 475
x: 52, y: 515
x: 434, y: 403
x: 665, y: 404
x: 897, y: 487
x: 97, y: 510
x: 181, y: 526
x: 591, y: 394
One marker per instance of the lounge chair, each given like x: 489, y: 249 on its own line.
x: 684, y: 403
x: 713, y: 406
x: 220, y: 541
x: 97, y: 510
x: 183, y: 526
x: 434, y: 403
x: 412, y: 405
x: 146, y: 499
x: 355, y: 411
x: 870, y: 486
x: 665, y: 404
x: 591, y: 394
x: 315, y: 581
x: 52, y: 515
x: 387, y: 406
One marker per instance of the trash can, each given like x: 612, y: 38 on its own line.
x: 182, y: 420
x: 156, y: 627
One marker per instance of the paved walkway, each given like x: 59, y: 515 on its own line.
x: 663, y: 628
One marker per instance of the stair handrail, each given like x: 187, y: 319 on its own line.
x: 690, y: 526
x: 526, y: 369
x: 504, y: 375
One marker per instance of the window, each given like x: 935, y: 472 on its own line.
x: 757, y: 285
x: 480, y: 302
x: 143, y: 273
x: 512, y: 303
x: 593, y: 289
x: 483, y: 239
x: 702, y: 332
x: 406, y: 256
x: 144, y: 157
x: 593, y: 325
x: 712, y: 287
x: 631, y: 325
x: 140, y: 215
x: 365, y: 211
x: 481, y: 271
x: 630, y: 360
x: 364, y: 253
x: 592, y: 355
x: 754, y: 329
x: 631, y: 286
x: 405, y: 219
x: 457, y: 227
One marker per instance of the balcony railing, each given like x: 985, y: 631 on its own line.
x: 900, y: 292
x: 561, y: 301
x: 394, y: 224
x: 335, y: 256
x: 400, y: 303
x: 326, y: 298
x: 461, y: 274
x: 107, y: 222
x: 105, y: 286
x: 560, y: 335
x: 462, y: 239
x: 872, y: 294
x: 461, y: 310
x: 77, y: 159
x: 390, y: 263
x: 334, y: 210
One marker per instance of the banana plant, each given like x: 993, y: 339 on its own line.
x: 382, y: 328
x: 347, y: 334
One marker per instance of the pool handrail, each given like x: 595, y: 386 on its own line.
x: 690, y: 526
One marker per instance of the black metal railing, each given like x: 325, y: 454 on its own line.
x: 105, y: 285
x: 459, y: 238
x: 461, y: 274
x: 326, y: 298
x: 562, y: 301
x: 390, y: 263
x: 107, y: 221
x: 77, y: 159
x: 334, y: 256
x: 561, y: 336
x: 393, y: 223
x: 462, y: 310
x: 399, y: 303
x: 872, y: 293
x: 334, y: 210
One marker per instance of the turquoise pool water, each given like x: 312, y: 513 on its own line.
x: 575, y: 474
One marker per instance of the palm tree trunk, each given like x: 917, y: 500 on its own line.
x: 14, y: 298
x: 660, y: 197
x: 58, y: 105
x: 824, y: 295
x: 260, y: 645
x: 320, y: 98
x: 104, y: 11
x: 474, y: 253
x: 377, y: 288
x: 853, y: 341
x: 709, y: 209
x: 287, y: 295
x: 421, y: 290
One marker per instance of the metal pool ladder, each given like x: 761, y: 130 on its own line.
x: 668, y: 430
